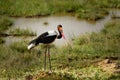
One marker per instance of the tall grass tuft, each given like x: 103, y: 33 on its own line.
x: 21, y: 32
x: 5, y: 23
x: 1, y: 41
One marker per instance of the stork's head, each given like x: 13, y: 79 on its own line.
x: 61, y: 30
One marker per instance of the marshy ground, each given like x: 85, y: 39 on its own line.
x: 93, y: 56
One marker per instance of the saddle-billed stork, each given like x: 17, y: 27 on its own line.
x: 47, y: 38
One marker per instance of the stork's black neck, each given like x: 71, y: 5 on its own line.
x: 60, y: 35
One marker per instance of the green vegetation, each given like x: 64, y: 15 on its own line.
x: 1, y: 41
x: 103, y: 44
x: 86, y: 9
x: 94, y: 73
x: 68, y: 62
x: 5, y: 23
x: 21, y: 32
x: 76, y: 62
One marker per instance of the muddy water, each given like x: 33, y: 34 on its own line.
x: 72, y: 26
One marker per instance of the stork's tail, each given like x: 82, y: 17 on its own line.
x: 32, y: 44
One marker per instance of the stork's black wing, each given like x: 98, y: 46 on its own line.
x: 45, y: 38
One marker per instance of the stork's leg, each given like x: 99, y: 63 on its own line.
x: 49, y: 58
x: 45, y: 59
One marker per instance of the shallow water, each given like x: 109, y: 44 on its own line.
x: 72, y: 26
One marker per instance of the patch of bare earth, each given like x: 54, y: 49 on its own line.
x: 41, y: 75
x: 35, y: 77
x: 109, y: 66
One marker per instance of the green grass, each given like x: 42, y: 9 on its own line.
x: 85, y: 9
x: 76, y: 62
x: 16, y: 61
x: 77, y: 74
x: 89, y: 73
x: 5, y: 23
x: 102, y: 44
x: 68, y: 62
x: 21, y: 32
x: 1, y: 41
